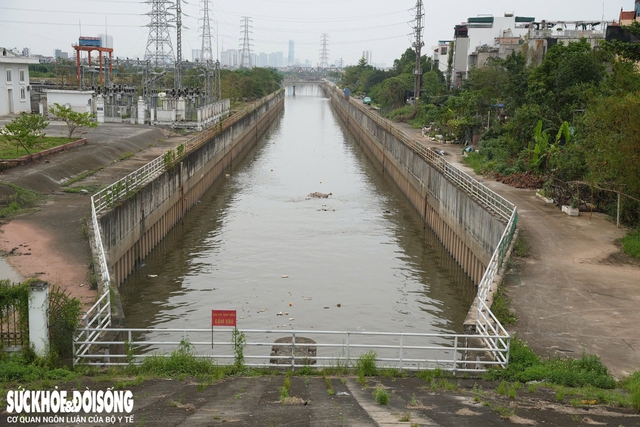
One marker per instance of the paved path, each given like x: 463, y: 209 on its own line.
x: 571, y: 295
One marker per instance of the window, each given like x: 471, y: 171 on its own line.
x: 8, y: 76
x: 23, y: 94
x: 22, y: 76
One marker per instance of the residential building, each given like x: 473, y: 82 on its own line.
x: 107, y: 40
x: 14, y: 83
x: 545, y: 34
x: 441, y: 55
x: 479, y: 35
x: 58, y: 54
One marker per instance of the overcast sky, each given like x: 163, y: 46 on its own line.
x: 383, y: 27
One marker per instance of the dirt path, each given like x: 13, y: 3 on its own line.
x: 49, y: 243
x: 572, y: 295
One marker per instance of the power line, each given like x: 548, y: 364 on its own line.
x: 71, y: 11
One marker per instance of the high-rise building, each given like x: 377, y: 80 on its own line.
x: 107, y: 40
x: 58, y: 54
x: 368, y: 56
x: 196, y: 55
x: 291, y: 61
x: 229, y: 58
x: 263, y: 59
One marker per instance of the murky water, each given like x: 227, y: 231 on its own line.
x: 363, y: 248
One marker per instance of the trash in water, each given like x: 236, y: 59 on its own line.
x: 285, y: 276
x: 152, y: 275
x: 326, y: 306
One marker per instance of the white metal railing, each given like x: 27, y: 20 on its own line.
x: 407, y: 351
x: 493, y: 333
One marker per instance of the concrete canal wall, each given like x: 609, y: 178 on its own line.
x: 136, y: 225
x: 465, y: 227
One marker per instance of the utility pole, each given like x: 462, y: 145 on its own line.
x: 245, y: 58
x: 418, y: 47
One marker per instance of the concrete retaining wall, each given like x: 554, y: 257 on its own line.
x: 468, y: 231
x: 132, y: 229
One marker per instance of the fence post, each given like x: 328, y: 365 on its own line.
x: 455, y: 354
x: 347, y: 348
x: 401, y: 349
x: 39, y: 317
x: 293, y: 351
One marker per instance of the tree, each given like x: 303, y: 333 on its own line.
x: 25, y: 130
x: 609, y: 139
x: 74, y: 120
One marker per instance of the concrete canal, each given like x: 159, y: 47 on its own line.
x: 360, y: 259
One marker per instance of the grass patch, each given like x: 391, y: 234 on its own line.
x: 82, y: 176
x: 631, y: 244
x: 525, y: 366
x: 521, y: 247
x: 500, y: 308
x: 126, y: 155
x: 21, y: 200
x: 9, y: 151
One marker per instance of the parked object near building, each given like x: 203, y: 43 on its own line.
x: 14, y: 83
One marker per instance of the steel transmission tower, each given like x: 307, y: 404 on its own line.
x: 159, y: 50
x: 324, y: 51
x: 177, y: 76
x: 206, y: 54
x: 418, y: 47
x: 245, y: 52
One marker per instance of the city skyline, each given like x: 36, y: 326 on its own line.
x: 359, y: 25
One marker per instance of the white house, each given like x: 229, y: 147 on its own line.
x: 14, y: 83
x: 77, y: 100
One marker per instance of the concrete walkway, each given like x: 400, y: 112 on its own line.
x: 575, y: 293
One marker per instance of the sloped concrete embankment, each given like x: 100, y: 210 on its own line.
x: 466, y: 228
x: 135, y: 226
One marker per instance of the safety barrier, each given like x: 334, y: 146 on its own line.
x: 319, y: 349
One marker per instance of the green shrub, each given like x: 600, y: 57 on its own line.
x: 631, y: 244
x: 366, y: 364
x: 381, y: 395
x: 525, y: 365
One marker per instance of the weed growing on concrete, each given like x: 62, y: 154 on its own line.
x: 560, y: 394
x: 414, y: 401
x: 381, y: 395
x: 521, y: 247
x: 366, y: 364
x: 500, y: 308
x: 632, y: 385
x: 239, y: 342
x: 126, y: 155
x: 330, y: 392
x: 405, y: 418
x: 502, y: 388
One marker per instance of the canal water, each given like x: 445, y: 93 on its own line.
x: 359, y: 260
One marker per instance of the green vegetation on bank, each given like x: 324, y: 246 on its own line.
x: 573, y: 121
x: 15, y: 200
x: 8, y: 151
x: 631, y: 244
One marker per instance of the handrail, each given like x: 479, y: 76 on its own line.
x: 407, y: 351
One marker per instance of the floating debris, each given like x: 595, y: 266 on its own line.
x: 285, y: 276
x: 338, y: 305
x: 279, y: 313
x: 152, y: 275
x: 318, y: 195
x: 291, y: 318
x: 326, y: 307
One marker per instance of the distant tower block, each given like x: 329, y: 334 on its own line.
x: 159, y: 50
x: 637, y: 8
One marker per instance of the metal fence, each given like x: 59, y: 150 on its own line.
x: 406, y: 351
x: 13, y: 331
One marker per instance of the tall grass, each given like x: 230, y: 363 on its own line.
x: 631, y: 244
x: 525, y: 365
